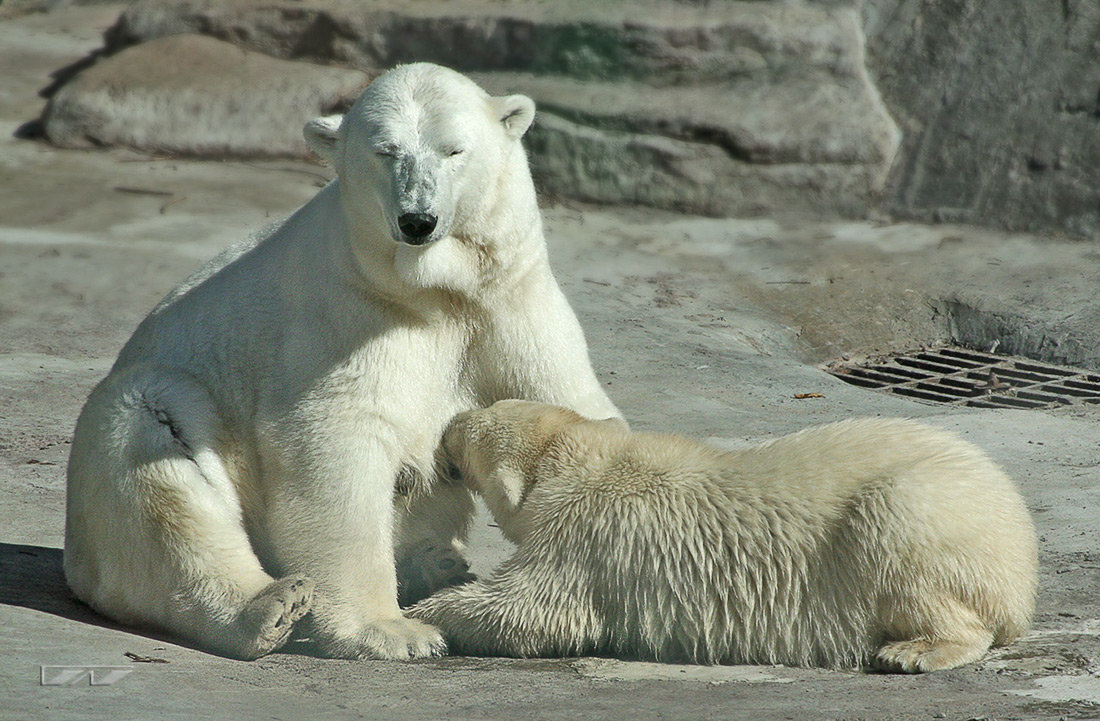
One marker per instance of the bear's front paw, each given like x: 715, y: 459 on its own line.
x: 401, y: 638
x: 390, y: 639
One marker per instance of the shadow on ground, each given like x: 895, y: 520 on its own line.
x: 33, y: 578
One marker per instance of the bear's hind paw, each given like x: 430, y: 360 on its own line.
x: 266, y: 621
x: 921, y: 655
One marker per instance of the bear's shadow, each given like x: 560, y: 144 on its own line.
x: 33, y: 577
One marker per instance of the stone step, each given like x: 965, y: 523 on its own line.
x: 732, y: 149
x: 656, y: 41
x: 800, y: 121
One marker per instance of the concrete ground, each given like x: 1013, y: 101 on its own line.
x: 706, y: 327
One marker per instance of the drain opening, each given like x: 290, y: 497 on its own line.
x: 973, y: 378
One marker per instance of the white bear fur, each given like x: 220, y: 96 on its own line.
x: 236, y: 468
x: 868, y: 541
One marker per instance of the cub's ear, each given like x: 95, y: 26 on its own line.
x: 503, y: 488
x: 320, y: 134
x: 516, y: 113
x: 504, y: 491
x: 512, y: 484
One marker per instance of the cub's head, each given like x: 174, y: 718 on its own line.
x: 504, y: 451
x: 422, y: 150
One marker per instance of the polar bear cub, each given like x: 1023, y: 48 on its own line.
x: 872, y: 541
x: 237, y: 467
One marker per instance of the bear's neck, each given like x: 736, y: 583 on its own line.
x: 506, y: 228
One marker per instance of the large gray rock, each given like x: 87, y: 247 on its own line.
x: 733, y: 108
x: 194, y: 95
x: 1000, y: 107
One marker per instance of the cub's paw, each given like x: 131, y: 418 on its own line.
x: 429, y: 567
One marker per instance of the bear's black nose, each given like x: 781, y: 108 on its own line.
x: 416, y: 226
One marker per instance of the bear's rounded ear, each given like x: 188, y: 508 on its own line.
x: 516, y: 113
x: 320, y: 134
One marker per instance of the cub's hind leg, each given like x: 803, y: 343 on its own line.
x: 154, y: 531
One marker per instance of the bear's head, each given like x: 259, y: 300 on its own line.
x: 423, y: 152
x: 503, y: 452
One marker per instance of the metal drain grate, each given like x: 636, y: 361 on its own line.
x: 973, y: 378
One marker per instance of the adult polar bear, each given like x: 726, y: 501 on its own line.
x: 237, y: 466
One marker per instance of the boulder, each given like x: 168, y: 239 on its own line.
x: 195, y: 95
